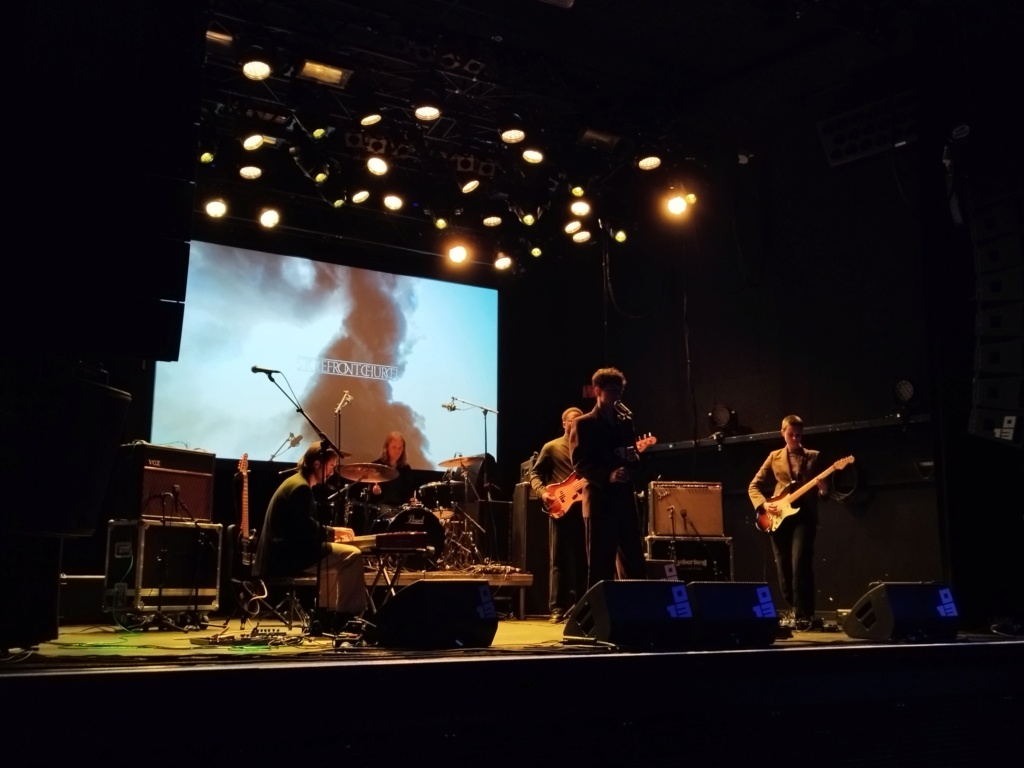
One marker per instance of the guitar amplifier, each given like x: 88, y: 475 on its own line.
x: 155, y: 481
x: 154, y: 566
x: 684, y: 509
x: 708, y: 558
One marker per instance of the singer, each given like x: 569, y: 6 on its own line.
x: 602, y: 444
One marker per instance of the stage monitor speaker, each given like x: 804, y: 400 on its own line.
x: 913, y: 611
x: 670, y: 615
x: 427, y: 614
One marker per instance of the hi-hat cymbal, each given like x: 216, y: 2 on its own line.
x: 460, y: 461
x: 367, y: 473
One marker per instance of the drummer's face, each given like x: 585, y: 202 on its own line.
x: 329, y: 469
x: 395, y: 448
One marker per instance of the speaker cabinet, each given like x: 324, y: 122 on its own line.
x: 913, y: 611
x: 704, y: 559
x: 684, y: 509
x: 157, y: 482
x: 154, y: 566
x: 531, y: 546
x: 430, y: 614
x: 670, y: 615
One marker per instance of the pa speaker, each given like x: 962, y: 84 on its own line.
x: 427, y: 614
x: 667, y: 615
x: 904, y: 611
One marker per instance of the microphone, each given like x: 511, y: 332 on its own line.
x: 623, y: 411
x: 449, y: 406
x: 268, y: 371
x: 346, y: 398
x: 294, y: 440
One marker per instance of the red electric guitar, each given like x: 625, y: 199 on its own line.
x: 769, y: 521
x: 570, y: 490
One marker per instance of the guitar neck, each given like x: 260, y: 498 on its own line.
x: 245, y: 504
x: 810, y: 484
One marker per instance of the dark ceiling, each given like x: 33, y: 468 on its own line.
x: 593, y: 82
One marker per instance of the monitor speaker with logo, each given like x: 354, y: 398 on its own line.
x: 669, y: 615
x: 904, y: 611
x: 428, y: 614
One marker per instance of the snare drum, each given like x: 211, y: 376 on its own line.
x: 414, y: 518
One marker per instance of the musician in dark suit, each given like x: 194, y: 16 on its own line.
x: 604, y: 451
x: 793, y: 540
x: 293, y: 540
x: 567, y: 553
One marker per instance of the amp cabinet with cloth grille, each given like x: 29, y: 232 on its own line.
x: 684, y: 509
x: 158, y: 482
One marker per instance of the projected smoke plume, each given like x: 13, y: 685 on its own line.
x: 399, y: 346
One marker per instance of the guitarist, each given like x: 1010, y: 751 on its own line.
x: 603, y: 446
x: 793, y: 540
x: 567, y: 554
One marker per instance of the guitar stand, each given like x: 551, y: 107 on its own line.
x: 390, y: 575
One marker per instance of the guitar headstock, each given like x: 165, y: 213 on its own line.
x: 843, y: 463
x: 243, y: 463
x: 646, y: 442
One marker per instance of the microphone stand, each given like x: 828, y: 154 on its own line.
x: 483, y: 471
x: 325, y: 442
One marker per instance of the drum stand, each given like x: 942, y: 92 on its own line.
x: 460, y: 549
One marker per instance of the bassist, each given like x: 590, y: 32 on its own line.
x: 567, y: 554
x: 793, y: 539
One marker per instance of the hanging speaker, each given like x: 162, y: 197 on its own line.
x: 427, y: 614
x: 913, y: 611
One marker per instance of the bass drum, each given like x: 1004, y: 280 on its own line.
x: 414, y: 518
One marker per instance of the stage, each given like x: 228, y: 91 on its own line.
x: 169, y: 696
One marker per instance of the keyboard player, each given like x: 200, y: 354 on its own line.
x: 293, y: 541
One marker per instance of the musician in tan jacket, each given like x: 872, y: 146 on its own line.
x: 793, y: 539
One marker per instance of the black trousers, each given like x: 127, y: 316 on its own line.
x: 567, y: 560
x: 793, y: 544
x: 613, y: 531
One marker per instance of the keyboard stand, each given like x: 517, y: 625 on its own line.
x: 388, y: 555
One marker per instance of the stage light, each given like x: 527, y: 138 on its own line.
x: 269, y: 217
x: 648, y: 162
x: 216, y: 208
x: 324, y: 73
x: 377, y: 165
x: 458, y: 253
x: 360, y: 196
x: 257, y: 62
x: 502, y: 260
x: 467, y: 183
x: 393, y: 202
x: 676, y: 204
x: 573, y: 227
x: 492, y: 220
x: 722, y: 421
x: 619, y: 235
x: 511, y: 129
x: 250, y: 172
x: 580, y: 208
x: 536, y: 251
x: 426, y: 105
x: 533, y: 156
x: 581, y: 237
x: 253, y: 140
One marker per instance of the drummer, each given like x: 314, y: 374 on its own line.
x: 400, y: 491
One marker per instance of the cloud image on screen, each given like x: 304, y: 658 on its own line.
x: 400, y: 347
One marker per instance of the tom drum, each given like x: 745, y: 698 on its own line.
x: 414, y: 518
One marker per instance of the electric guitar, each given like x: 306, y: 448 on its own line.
x: 769, y: 521
x: 246, y: 537
x: 570, y: 490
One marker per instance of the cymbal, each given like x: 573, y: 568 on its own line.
x: 367, y: 473
x: 460, y: 461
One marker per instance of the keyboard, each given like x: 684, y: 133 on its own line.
x: 399, y: 541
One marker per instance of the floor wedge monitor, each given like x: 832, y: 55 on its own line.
x: 904, y: 611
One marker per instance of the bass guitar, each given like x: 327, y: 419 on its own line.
x: 783, y: 502
x: 246, y: 537
x: 570, y: 490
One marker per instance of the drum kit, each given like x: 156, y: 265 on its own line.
x: 435, y: 511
